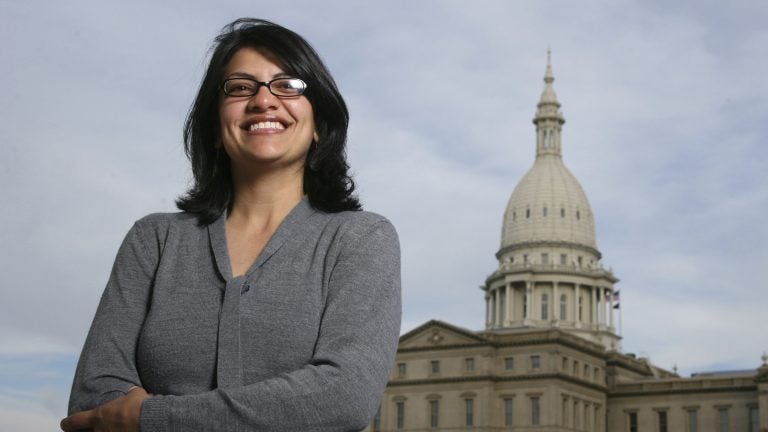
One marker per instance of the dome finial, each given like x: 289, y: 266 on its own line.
x: 549, y: 77
x: 548, y: 106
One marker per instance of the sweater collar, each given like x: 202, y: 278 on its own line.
x: 292, y: 223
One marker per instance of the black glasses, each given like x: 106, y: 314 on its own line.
x: 280, y: 87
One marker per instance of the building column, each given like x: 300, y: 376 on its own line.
x: 509, y: 303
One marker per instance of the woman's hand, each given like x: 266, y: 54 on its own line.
x: 119, y: 415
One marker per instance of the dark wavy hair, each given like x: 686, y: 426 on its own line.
x: 327, y: 182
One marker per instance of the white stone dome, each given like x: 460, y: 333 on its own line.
x: 548, y: 205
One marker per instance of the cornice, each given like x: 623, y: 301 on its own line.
x: 673, y: 391
x: 537, y: 269
x: 494, y: 340
x: 496, y: 379
x: 547, y: 243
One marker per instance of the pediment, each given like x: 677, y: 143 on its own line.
x: 434, y: 334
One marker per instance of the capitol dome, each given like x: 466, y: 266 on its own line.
x: 548, y: 206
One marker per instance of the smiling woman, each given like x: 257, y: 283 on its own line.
x: 271, y: 302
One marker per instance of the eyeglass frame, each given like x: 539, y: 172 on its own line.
x: 259, y: 84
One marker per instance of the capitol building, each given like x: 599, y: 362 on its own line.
x: 550, y: 356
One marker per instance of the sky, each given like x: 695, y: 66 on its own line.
x: 665, y: 107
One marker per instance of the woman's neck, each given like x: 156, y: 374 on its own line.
x: 263, y: 200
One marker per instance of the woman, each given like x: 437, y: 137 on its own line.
x: 271, y: 302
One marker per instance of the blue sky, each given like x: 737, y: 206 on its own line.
x: 665, y: 107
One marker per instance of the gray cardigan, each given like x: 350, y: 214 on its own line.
x: 304, y: 341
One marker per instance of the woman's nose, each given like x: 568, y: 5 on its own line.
x: 263, y: 100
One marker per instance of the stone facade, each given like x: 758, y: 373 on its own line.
x: 549, y: 358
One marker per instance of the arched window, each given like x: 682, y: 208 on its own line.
x: 544, y: 307
x: 563, y: 307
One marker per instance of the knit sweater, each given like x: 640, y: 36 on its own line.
x: 303, y: 341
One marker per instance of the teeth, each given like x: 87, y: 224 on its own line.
x: 266, y: 125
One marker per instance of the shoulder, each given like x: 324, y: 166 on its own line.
x: 354, y: 228
x: 163, y: 222
x: 153, y: 230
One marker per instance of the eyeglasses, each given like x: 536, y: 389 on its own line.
x: 280, y: 87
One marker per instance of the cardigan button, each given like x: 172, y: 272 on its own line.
x: 245, y: 288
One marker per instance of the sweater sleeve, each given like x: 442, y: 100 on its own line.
x: 340, y: 389
x: 107, y: 368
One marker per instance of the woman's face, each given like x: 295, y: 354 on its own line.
x: 263, y: 129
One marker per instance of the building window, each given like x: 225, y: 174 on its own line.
x: 562, y: 212
x: 586, y: 372
x: 753, y: 419
x: 535, y: 362
x: 579, y: 261
x: 564, y: 411
x: 514, y: 216
x: 545, y: 212
x: 576, y: 414
x: 503, y: 303
x: 435, y: 366
x: 563, y: 307
x: 565, y: 364
x: 693, y: 420
x: 535, y: 411
x: 575, y: 368
x: 508, y: 406
x: 434, y: 413
x: 470, y: 364
x: 509, y: 363
x: 596, y: 374
x: 525, y: 306
x: 578, y: 215
x: 662, y: 415
x: 377, y: 421
x: 525, y: 259
x: 469, y: 404
x: 527, y: 213
x: 581, y: 308
x: 544, y: 307
x: 724, y: 420
x: 401, y: 370
x: 545, y: 258
x: 400, y: 415
x: 632, y: 420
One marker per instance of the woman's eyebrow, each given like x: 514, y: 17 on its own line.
x: 247, y: 75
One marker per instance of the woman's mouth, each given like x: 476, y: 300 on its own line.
x: 265, y: 125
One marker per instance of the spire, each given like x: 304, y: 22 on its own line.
x: 548, y: 76
x: 548, y: 119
